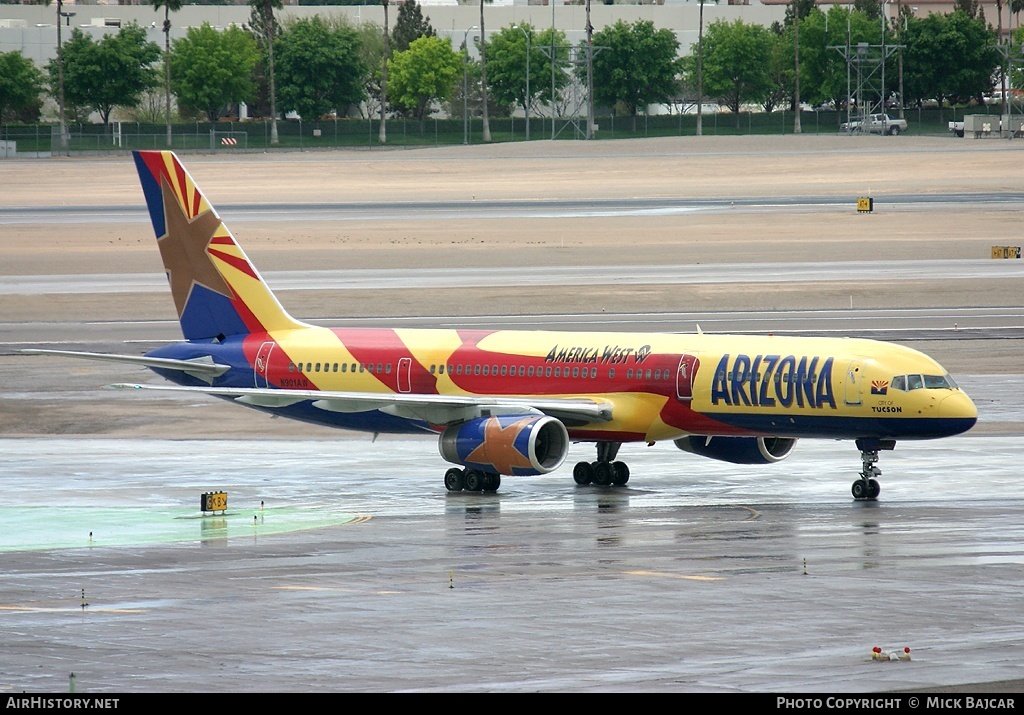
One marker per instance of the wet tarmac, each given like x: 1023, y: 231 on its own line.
x: 343, y: 565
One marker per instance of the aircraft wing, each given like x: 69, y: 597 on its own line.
x: 432, y: 409
x: 202, y: 368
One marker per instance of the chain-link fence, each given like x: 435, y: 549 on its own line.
x: 45, y: 140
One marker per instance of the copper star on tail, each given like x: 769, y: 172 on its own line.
x: 184, y: 250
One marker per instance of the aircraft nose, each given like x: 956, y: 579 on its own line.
x: 959, y: 412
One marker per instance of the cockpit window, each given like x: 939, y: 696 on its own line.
x: 917, y: 382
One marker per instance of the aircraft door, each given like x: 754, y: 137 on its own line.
x: 405, y: 374
x: 853, y: 382
x: 686, y: 373
x: 261, y: 365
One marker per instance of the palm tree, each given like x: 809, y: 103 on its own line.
x: 169, y: 6
x: 383, y: 137
x: 265, y: 10
x: 483, y: 73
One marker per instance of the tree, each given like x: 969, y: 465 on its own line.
x: 113, y: 72
x: 950, y: 57
x: 169, y: 6
x: 213, y: 68
x: 507, y: 65
x: 382, y: 135
x: 264, y: 26
x: 483, y: 77
x: 410, y: 25
x: 639, y: 65
x: 823, y: 71
x: 735, y: 71
x: 21, y: 84
x: 371, y: 51
x: 779, y: 65
x: 320, y: 67
x: 426, y: 72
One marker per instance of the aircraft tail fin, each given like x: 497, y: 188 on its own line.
x: 216, y: 290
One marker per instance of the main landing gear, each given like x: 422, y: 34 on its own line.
x: 604, y: 472
x: 867, y: 487
x: 471, y: 480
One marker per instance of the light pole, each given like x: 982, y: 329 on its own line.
x: 60, y: 77
x: 700, y: 73
x: 526, y: 105
x: 465, y: 83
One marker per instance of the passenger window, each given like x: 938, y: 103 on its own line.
x: 344, y: 367
x: 504, y: 370
x: 575, y: 372
x: 291, y: 367
x: 309, y: 367
x: 476, y: 369
x: 611, y: 373
x: 529, y: 371
x: 547, y: 372
x: 648, y: 374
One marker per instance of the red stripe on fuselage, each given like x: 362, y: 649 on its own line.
x: 382, y: 345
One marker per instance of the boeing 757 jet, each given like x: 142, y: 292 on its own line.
x: 511, y: 403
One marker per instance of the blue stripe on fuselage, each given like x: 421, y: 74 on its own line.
x: 844, y: 427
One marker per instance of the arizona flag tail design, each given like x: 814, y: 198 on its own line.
x: 216, y: 290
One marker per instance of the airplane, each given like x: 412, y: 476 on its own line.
x: 511, y: 402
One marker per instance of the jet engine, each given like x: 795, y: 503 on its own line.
x: 739, y: 450
x: 522, y: 445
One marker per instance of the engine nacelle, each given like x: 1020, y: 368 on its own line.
x: 739, y: 450
x: 520, y: 445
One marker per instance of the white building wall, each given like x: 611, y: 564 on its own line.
x: 37, y: 40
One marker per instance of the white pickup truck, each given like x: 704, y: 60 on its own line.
x: 877, y: 124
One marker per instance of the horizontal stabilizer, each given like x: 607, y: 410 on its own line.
x: 202, y: 368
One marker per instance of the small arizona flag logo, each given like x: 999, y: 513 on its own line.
x: 879, y: 387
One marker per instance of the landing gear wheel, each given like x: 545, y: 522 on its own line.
x: 583, y: 473
x: 621, y: 470
x: 474, y: 481
x: 491, y: 482
x: 604, y: 473
x: 454, y: 480
x: 867, y: 487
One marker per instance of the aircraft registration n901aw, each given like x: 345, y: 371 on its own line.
x: 511, y: 402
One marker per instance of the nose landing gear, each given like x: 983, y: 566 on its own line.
x: 867, y: 487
